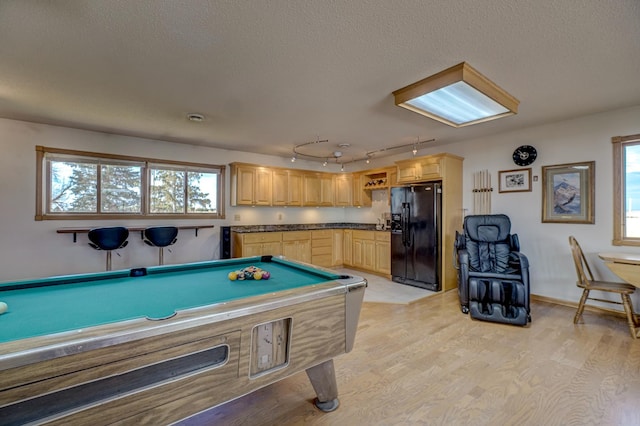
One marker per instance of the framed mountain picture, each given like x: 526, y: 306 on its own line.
x: 568, y: 193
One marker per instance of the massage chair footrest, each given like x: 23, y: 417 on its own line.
x: 495, y: 312
x: 497, y: 300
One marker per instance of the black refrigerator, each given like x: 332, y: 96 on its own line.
x: 415, y: 235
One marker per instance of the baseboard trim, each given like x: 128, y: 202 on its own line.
x: 591, y: 308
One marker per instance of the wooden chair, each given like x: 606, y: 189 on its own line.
x: 587, y: 283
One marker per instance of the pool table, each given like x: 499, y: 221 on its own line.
x: 159, y: 344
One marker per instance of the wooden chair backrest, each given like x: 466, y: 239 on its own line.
x: 582, y: 267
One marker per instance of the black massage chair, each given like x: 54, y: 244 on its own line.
x: 493, y: 276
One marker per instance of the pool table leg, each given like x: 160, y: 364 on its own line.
x: 323, y: 380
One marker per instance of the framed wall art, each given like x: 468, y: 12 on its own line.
x: 568, y: 192
x: 514, y: 180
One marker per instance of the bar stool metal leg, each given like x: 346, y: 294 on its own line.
x: 108, y: 260
x: 160, y: 237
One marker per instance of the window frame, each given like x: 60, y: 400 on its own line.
x: 619, y: 190
x: 43, y: 185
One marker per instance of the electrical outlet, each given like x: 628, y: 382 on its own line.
x: 279, y: 216
x: 236, y: 217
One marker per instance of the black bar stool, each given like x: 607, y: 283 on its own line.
x: 161, y: 237
x: 108, y: 239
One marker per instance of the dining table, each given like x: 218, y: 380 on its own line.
x: 624, y: 265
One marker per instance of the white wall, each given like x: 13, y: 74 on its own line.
x: 31, y: 249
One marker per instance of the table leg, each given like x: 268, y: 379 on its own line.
x: 323, y: 380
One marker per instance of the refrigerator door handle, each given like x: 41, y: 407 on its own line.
x: 402, y: 230
x: 405, y: 224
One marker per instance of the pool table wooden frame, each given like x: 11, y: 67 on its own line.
x: 323, y: 319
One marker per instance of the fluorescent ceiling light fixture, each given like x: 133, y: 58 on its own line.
x: 458, y: 96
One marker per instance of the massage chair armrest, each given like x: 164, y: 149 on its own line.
x: 460, y: 241
x: 459, y: 244
x: 463, y: 265
x: 518, y: 260
x: 514, y: 242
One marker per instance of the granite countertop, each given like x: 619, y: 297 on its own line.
x: 304, y: 227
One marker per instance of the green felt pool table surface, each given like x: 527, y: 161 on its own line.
x: 58, y: 304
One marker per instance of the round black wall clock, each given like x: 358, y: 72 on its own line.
x: 524, y: 155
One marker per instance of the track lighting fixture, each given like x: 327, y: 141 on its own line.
x: 341, y: 155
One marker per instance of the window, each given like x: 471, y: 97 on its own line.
x: 85, y: 185
x: 626, y: 190
x: 182, y: 190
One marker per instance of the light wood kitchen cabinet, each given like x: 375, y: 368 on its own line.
x: 296, y: 245
x: 392, y: 176
x: 331, y: 248
x: 296, y: 188
x: 280, y: 189
x: 372, y: 251
x: 408, y: 171
x: 327, y: 190
x: 337, y: 256
x: 257, y: 244
x: 360, y: 196
x: 357, y: 253
x: 252, y: 185
x: 343, y: 190
x: 311, y: 183
x: 424, y: 169
x: 347, y: 244
x: 383, y: 252
x: 318, y: 189
x: 255, y: 185
x: 369, y: 255
x: 322, y: 247
x: 364, y: 249
x: 287, y: 188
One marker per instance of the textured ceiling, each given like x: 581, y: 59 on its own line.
x: 269, y: 75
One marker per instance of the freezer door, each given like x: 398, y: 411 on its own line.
x: 398, y: 248
x: 397, y: 198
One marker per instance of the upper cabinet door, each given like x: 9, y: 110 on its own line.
x: 287, y: 188
x: 344, y: 190
x: 262, y: 193
x: 245, y: 186
x: 280, y: 190
x: 327, y: 190
x: 296, y: 188
x: 311, y: 189
x: 252, y: 185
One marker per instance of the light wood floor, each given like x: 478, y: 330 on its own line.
x: 426, y: 363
